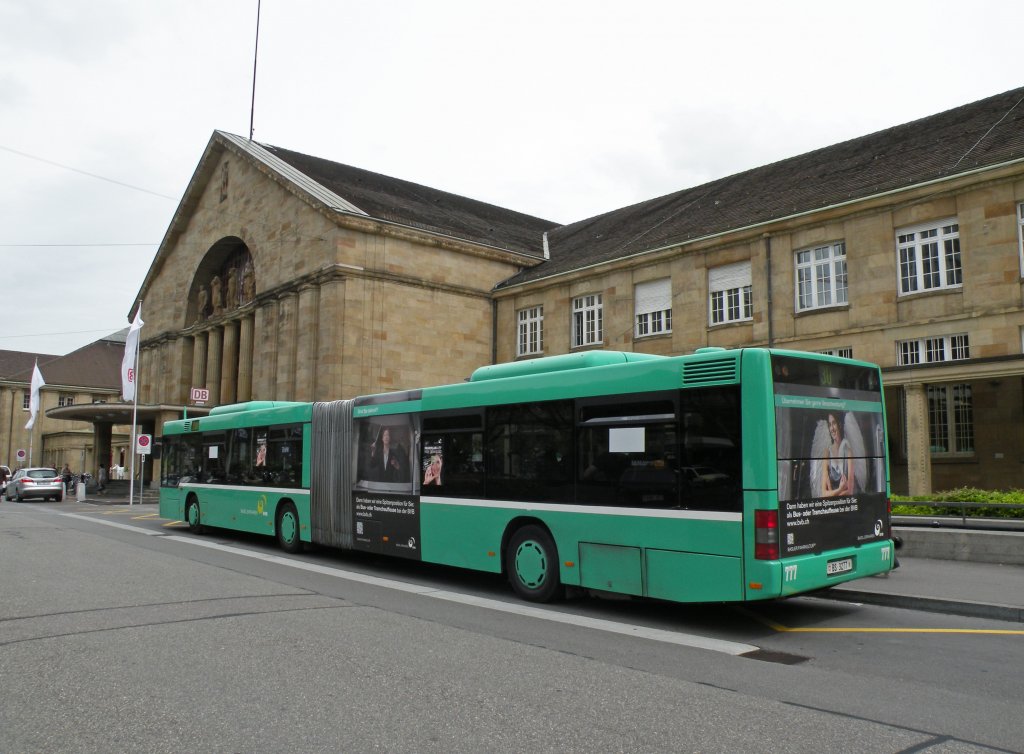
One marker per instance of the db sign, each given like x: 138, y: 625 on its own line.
x: 200, y: 395
x: 144, y: 444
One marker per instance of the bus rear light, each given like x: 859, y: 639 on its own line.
x: 766, y: 535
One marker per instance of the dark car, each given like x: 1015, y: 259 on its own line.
x: 5, y: 477
x: 36, y: 482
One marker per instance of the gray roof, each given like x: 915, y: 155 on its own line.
x: 96, y: 365
x: 15, y: 364
x: 413, y: 205
x: 981, y: 134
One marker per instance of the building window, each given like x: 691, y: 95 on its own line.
x: 929, y: 257
x: 821, y: 276
x: 26, y: 400
x: 933, y: 350
x: 530, y: 331
x: 843, y: 353
x: 65, y: 399
x: 653, y: 302
x: 1020, y: 236
x: 587, y: 320
x: 950, y: 420
x: 730, y: 290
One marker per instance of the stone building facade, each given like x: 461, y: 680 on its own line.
x: 270, y: 285
x: 288, y: 277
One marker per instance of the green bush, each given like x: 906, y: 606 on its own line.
x: 904, y: 505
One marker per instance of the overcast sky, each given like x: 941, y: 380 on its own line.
x: 561, y: 110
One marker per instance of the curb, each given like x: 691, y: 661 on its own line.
x: 1008, y: 613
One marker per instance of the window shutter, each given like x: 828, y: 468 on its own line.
x: 653, y: 296
x: 729, y: 276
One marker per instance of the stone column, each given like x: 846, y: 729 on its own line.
x: 330, y: 341
x: 287, y: 337
x: 101, y: 436
x: 265, y: 367
x: 6, y: 427
x: 199, y: 360
x: 142, y: 374
x: 178, y: 369
x: 245, y: 346
x: 919, y: 455
x: 229, y: 363
x: 213, y: 362
x: 306, y: 351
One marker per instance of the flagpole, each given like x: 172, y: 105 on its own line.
x: 33, y: 405
x: 135, y: 414
x: 131, y: 448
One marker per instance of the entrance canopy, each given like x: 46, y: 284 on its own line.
x: 121, y: 413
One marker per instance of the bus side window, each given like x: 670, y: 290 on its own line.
x: 214, y: 449
x: 171, y: 462
x: 712, y: 468
x: 451, y: 464
x: 529, y: 452
x: 284, y: 456
x: 628, y: 452
x: 452, y: 455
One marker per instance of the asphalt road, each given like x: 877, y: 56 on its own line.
x: 120, y: 631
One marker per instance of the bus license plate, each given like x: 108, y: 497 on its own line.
x: 834, y: 567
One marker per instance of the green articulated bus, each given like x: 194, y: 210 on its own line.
x: 724, y: 475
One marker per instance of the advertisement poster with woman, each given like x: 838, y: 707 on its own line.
x: 386, y: 494
x: 831, y: 464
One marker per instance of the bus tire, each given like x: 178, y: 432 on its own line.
x: 531, y: 561
x: 288, y: 528
x: 192, y: 514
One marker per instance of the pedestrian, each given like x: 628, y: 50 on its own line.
x: 101, y: 479
x: 67, y: 476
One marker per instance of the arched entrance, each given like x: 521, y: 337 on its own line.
x: 220, y: 314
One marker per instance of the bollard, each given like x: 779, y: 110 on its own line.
x: 80, y: 492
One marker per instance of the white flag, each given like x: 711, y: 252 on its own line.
x: 33, y: 401
x: 131, y: 346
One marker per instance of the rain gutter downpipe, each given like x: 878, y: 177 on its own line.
x: 768, y: 272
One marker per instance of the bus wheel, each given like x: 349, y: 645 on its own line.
x: 192, y: 515
x: 288, y: 528
x: 531, y: 561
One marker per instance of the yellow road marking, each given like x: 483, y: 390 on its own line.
x: 174, y: 523
x: 780, y: 628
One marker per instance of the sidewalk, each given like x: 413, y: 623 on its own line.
x: 957, y: 587
x: 119, y: 496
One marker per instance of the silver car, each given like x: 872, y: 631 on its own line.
x: 39, y: 482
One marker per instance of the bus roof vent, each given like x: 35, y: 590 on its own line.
x: 231, y: 408
x: 187, y: 426
x: 560, y: 363
x: 709, y: 370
